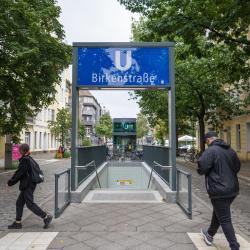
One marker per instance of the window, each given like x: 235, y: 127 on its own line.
x: 238, y: 138
x: 48, y: 139
x: 222, y: 134
x: 248, y: 137
x: 88, y: 100
x: 52, y: 115
x: 51, y: 141
x: 228, y: 135
x: 88, y: 130
x: 40, y: 140
x: 35, y: 140
x: 27, y: 138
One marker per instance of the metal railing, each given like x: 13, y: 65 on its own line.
x: 62, y: 191
x: 87, y: 170
x: 160, y: 170
x: 184, y: 191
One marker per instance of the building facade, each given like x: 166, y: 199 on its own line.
x: 38, y: 134
x: 89, y: 113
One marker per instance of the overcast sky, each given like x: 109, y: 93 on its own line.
x: 100, y: 21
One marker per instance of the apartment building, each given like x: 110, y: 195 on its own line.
x: 38, y: 135
x: 89, y: 113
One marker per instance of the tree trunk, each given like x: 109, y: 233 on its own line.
x: 202, y: 134
x: 8, y: 153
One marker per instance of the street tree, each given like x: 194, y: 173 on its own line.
x: 82, y: 133
x: 161, y: 131
x: 220, y: 21
x: 142, y: 127
x: 61, y: 126
x: 208, y: 82
x: 104, y: 126
x: 32, y: 57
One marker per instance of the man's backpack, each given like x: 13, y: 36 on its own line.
x: 37, y: 174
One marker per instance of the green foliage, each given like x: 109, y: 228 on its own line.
x: 161, y: 131
x: 66, y: 154
x: 224, y: 21
x: 104, y: 126
x: 82, y: 133
x: 86, y: 142
x: 60, y: 127
x: 211, y: 57
x: 142, y: 127
x: 32, y: 57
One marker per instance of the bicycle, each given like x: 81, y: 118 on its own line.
x: 192, y: 156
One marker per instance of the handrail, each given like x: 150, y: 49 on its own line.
x: 152, y: 170
x: 156, y: 164
x: 92, y: 163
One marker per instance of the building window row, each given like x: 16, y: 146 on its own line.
x: 238, y: 136
x: 41, y: 140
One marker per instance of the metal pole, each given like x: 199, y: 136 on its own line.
x: 190, y: 195
x: 75, y: 113
x: 172, y: 118
x: 69, y: 195
x: 56, y: 195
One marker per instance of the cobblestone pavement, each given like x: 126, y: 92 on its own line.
x: 240, y: 207
x: 43, y: 191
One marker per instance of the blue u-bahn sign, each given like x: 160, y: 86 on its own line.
x: 122, y: 67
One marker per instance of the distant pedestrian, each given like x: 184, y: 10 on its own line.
x: 220, y: 165
x: 27, y: 187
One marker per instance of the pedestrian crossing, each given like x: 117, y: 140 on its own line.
x: 27, y: 241
x: 219, y: 243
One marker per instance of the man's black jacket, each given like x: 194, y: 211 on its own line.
x: 22, y: 174
x: 220, y: 165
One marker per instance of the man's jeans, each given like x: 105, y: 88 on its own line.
x: 222, y: 217
x: 26, y: 197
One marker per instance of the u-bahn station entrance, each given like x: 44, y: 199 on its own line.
x: 124, y: 135
x: 150, y: 177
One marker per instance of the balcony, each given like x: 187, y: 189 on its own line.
x: 30, y: 120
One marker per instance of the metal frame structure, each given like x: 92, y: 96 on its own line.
x: 171, y: 100
x: 58, y: 210
x: 188, y: 209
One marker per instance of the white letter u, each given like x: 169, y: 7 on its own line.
x: 118, y: 60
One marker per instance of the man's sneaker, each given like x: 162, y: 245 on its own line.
x: 207, y: 238
x: 15, y: 225
x: 47, y: 221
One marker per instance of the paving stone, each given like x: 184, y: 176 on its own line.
x: 82, y: 236
x: 121, y: 228
x: 149, y: 227
x: 111, y: 246
x: 79, y: 246
x: 94, y: 227
x: 145, y: 247
x: 128, y: 242
x: 96, y: 242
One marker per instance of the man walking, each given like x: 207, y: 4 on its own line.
x: 27, y: 187
x: 220, y: 165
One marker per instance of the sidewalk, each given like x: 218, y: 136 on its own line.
x: 122, y: 226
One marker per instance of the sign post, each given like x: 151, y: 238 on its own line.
x: 123, y: 66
